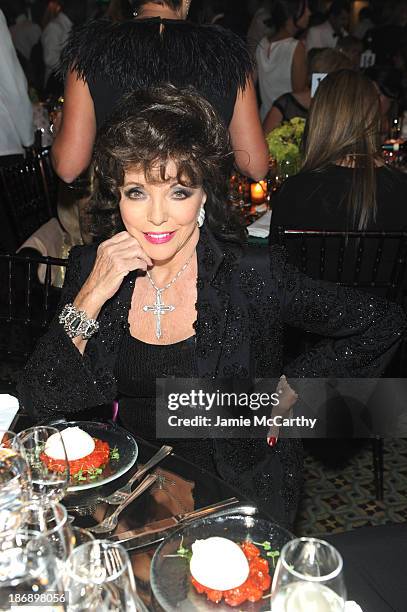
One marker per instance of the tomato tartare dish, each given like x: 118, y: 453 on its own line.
x: 85, y: 454
x: 228, y: 567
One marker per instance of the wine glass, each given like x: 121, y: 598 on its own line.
x: 100, y: 569
x: 49, y: 477
x: 51, y: 520
x: 308, y: 578
x: 28, y: 572
x: 81, y: 536
x: 15, y: 487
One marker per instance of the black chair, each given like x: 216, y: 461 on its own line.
x: 371, y: 261
x: 28, y: 198
x: 26, y: 308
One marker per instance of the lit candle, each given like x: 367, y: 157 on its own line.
x: 258, y: 192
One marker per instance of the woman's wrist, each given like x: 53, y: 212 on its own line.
x: 88, y: 303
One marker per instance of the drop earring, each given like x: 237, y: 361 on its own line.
x: 201, y: 217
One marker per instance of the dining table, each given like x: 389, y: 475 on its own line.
x: 374, y: 557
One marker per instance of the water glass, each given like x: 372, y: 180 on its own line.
x: 15, y: 487
x: 81, y: 536
x: 99, y: 575
x: 48, y: 485
x: 51, y: 521
x: 308, y: 578
x: 28, y: 571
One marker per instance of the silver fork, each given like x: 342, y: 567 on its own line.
x: 110, y: 522
x: 122, y: 494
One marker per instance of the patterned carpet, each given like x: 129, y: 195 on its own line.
x: 341, y: 498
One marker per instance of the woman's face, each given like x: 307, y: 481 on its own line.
x: 162, y: 215
x: 302, y: 21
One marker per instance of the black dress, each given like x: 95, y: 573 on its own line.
x: 115, y: 59
x: 289, y: 107
x: 137, y: 367
x: 245, y: 296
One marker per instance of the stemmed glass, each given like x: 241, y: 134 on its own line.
x: 28, y: 573
x: 51, y: 521
x: 15, y: 486
x: 99, y: 575
x: 47, y: 483
x: 308, y: 578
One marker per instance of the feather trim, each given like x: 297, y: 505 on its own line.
x: 134, y: 54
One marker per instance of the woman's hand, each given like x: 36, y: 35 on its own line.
x: 287, y: 399
x: 115, y: 258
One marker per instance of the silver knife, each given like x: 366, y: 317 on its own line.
x: 158, y: 530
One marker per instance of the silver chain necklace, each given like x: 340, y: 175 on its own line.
x: 159, y: 308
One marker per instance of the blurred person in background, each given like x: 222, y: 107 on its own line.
x: 352, y: 47
x: 388, y: 83
x: 400, y: 62
x: 26, y: 38
x: 387, y: 37
x: 297, y: 104
x: 335, y: 26
x: 260, y: 25
x: 24, y: 32
x: 281, y: 58
x: 228, y: 14
x: 16, y: 114
x: 54, y: 37
x: 365, y: 22
x: 52, y: 9
x: 116, y: 10
x: 102, y: 62
x: 318, y: 12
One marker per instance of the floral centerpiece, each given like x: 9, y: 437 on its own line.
x: 284, y: 144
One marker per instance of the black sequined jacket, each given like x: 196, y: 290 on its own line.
x: 244, y: 300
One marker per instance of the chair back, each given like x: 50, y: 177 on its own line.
x: 373, y: 261
x: 28, y: 197
x: 26, y: 305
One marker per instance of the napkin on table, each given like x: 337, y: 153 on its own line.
x: 261, y: 227
x: 8, y: 410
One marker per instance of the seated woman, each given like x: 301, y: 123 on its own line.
x: 165, y: 234
x: 344, y: 183
x: 291, y: 105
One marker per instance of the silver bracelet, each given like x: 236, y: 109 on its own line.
x: 76, y: 322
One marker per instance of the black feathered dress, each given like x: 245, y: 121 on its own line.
x: 116, y: 59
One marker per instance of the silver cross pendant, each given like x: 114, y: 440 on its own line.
x: 158, y: 309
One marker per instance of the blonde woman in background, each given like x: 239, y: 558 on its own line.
x: 344, y: 183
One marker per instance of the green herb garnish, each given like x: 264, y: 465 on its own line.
x: 266, y: 546
x: 94, y: 473
x: 79, y: 476
x: 183, y: 553
x: 114, y: 453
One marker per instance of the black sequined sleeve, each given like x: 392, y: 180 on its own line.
x: 57, y: 379
x: 362, y: 331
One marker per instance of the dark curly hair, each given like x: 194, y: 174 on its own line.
x: 172, y: 4
x: 151, y: 128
